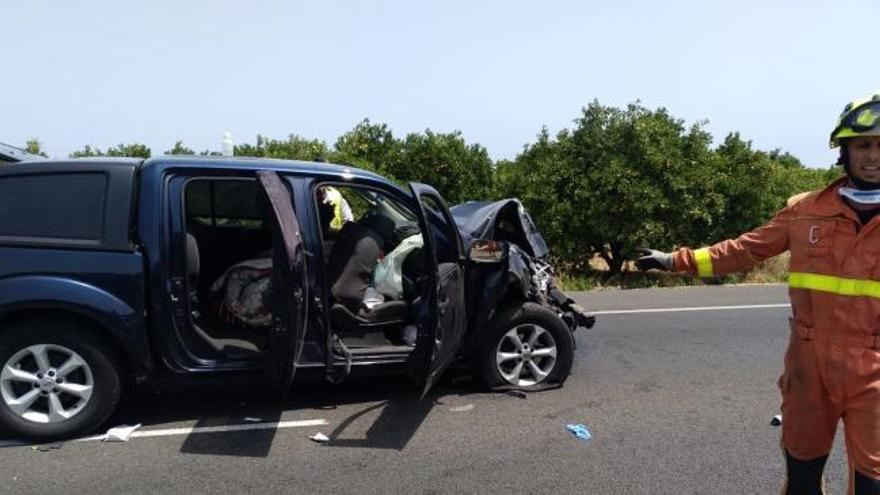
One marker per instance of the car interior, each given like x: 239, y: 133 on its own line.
x: 229, y: 261
x: 225, y: 228
x: 372, y: 268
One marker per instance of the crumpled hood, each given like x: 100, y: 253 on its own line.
x: 483, y: 220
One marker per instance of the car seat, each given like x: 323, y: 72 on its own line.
x: 352, y: 260
x: 233, y: 348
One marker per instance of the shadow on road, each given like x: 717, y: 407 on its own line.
x: 402, y: 413
x: 253, y: 443
x: 393, y: 429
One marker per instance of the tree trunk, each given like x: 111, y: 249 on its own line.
x: 614, y: 257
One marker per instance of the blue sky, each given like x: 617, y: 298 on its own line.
x: 103, y: 73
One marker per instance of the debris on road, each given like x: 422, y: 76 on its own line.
x: 250, y: 419
x: 46, y: 447
x: 320, y: 438
x: 120, y: 433
x: 464, y: 408
x: 518, y: 393
x: 777, y: 420
x: 580, y: 431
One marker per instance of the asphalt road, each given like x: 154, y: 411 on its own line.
x: 676, y: 402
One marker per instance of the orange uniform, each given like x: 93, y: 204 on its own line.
x: 832, y: 366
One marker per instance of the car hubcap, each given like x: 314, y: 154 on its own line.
x: 46, y: 383
x: 526, y: 355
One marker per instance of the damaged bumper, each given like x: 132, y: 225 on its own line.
x: 574, y: 315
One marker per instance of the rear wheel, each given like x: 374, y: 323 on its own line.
x: 527, y: 347
x: 57, y: 380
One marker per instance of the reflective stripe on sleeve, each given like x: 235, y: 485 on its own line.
x: 704, y: 263
x: 834, y: 285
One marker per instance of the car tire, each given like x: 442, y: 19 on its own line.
x: 36, y: 352
x: 544, y: 362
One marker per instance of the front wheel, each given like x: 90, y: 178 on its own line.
x: 57, y: 380
x: 527, y: 347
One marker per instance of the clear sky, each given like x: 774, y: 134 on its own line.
x: 109, y: 72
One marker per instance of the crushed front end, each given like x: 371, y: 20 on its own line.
x: 526, y: 269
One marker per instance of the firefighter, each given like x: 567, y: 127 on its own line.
x: 832, y: 365
x: 337, y: 208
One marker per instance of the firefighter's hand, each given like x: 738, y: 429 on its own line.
x: 651, y: 258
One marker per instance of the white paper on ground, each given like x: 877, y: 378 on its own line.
x: 120, y: 433
x: 320, y: 437
x: 462, y: 408
x: 250, y: 419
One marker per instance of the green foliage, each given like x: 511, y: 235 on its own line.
x: 87, y: 152
x: 623, y: 178
x: 132, y: 150
x: 180, y: 149
x: 136, y: 150
x: 368, y: 146
x: 293, y: 148
x: 34, y: 147
x: 460, y: 172
x: 619, y: 179
x: 756, y: 185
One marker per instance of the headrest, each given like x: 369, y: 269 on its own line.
x: 381, y: 225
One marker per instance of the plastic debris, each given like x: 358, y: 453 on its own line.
x: 777, y: 420
x: 120, y: 433
x: 464, y: 408
x: 579, y: 431
x: 320, y: 438
x: 518, y: 393
x: 250, y: 419
x: 46, y: 447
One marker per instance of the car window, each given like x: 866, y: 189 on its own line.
x: 338, y: 204
x: 58, y: 206
x: 224, y: 203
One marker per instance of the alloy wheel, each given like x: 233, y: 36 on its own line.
x: 46, y: 383
x: 526, y: 355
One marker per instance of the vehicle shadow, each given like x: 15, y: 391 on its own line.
x: 398, y: 422
x: 400, y: 414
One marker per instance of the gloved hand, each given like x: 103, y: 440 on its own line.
x: 651, y: 258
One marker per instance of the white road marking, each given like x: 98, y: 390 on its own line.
x: 216, y: 429
x: 699, y: 308
x: 194, y: 429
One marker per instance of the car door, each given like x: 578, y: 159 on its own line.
x: 444, y: 323
x: 289, y: 287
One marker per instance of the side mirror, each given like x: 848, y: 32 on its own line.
x: 486, y: 251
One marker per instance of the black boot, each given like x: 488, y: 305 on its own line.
x: 805, y: 477
x: 866, y: 485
